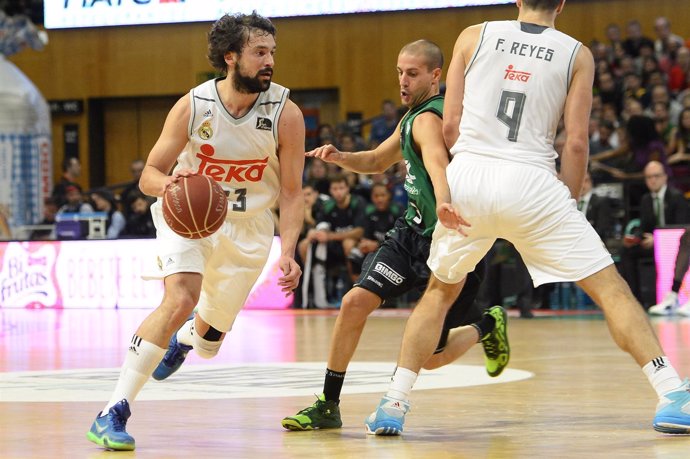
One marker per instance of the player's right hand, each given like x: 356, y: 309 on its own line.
x: 451, y: 218
x: 327, y: 152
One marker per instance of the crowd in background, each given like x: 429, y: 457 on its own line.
x: 639, y: 149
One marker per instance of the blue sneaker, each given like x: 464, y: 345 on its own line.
x: 389, y: 417
x: 673, y: 411
x: 172, y: 360
x: 109, y: 430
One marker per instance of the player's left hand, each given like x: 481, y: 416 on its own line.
x: 291, y: 273
x: 451, y: 219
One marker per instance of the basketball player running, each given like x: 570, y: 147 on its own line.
x: 508, y: 85
x: 244, y: 132
x: 399, y: 264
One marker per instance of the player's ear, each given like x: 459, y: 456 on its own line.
x: 230, y: 58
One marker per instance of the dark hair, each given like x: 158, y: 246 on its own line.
x: 641, y: 131
x: 541, y: 4
x: 231, y: 33
x: 107, y: 195
x: 337, y: 178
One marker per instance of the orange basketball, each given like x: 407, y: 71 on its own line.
x: 195, y: 207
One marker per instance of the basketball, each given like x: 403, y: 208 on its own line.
x: 195, y: 207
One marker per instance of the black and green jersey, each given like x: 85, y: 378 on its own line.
x: 421, y: 209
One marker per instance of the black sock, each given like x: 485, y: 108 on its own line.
x: 485, y: 325
x: 676, y: 285
x: 333, y: 384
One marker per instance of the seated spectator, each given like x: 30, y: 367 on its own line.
x: 634, y: 39
x: 71, y: 171
x: 50, y: 210
x: 131, y: 191
x: 384, y: 125
x: 74, y: 201
x: 139, y: 221
x: 596, y: 208
x: 316, y: 173
x: 679, y: 152
x: 105, y: 202
x: 334, y: 236
x: 670, y: 305
x: 661, y: 205
x: 680, y: 71
x: 378, y: 218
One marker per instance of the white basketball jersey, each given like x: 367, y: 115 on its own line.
x: 239, y: 153
x: 515, y: 89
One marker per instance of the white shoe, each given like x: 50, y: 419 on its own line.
x: 684, y: 310
x: 667, y: 307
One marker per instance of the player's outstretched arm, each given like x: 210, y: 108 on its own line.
x: 155, y: 179
x: 363, y: 162
x: 291, y: 199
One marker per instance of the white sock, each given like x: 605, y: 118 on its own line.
x: 185, y: 334
x: 662, y: 376
x: 142, y: 358
x: 401, y: 384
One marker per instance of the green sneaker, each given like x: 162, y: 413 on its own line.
x: 496, y: 347
x: 323, y: 414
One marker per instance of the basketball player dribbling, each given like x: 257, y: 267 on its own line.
x: 244, y: 132
x: 509, y: 83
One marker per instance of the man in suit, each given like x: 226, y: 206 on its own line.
x: 596, y: 208
x: 662, y: 205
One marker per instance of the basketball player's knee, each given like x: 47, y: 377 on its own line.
x: 208, y: 346
x: 353, y: 308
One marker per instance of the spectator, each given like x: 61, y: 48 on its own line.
x: 384, y: 125
x: 634, y: 39
x: 317, y: 174
x: 679, y: 72
x: 74, y: 201
x: 660, y: 206
x: 679, y: 152
x: 378, y: 218
x: 139, y: 219
x: 131, y: 191
x: 659, y: 93
x: 50, y: 210
x: 71, y: 171
x: 104, y: 201
x: 334, y: 236
x: 597, y: 209
x: 666, y: 41
x: 603, y: 138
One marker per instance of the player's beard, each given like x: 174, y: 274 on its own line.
x: 248, y: 84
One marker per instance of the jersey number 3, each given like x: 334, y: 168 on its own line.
x: 510, y: 111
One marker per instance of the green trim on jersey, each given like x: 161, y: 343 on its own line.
x: 421, y: 210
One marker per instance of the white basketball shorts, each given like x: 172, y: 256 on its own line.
x: 230, y: 261
x: 525, y: 205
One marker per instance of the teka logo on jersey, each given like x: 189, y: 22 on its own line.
x: 516, y: 75
x: 228, y: 170
x: 389, y: 273
x: 92, y: 3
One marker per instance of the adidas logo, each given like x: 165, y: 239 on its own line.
x: 133, y: 349
x: 658, y: 364
x: 169, y: 262
x: 208, y: 113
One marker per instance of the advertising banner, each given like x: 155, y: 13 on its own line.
x: 102, y: 274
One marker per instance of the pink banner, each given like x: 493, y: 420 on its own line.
x: 101, y: 275
x: 665, y: 251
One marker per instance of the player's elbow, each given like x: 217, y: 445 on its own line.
x: 450, y: 133
x: 577, y: 147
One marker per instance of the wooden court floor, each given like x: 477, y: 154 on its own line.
x: 583, y: 399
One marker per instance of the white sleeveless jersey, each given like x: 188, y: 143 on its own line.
x: 515, y: 89
x: 239, y: 153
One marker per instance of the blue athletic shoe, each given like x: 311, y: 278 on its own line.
x: 389, y: 417
x: 172, y: 360
x: 109, y: 430
x: 673, y: 411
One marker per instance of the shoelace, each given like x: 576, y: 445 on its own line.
x: 118, y: 422
x: 490, y: 348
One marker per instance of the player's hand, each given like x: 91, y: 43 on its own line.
x: 291, y: 273
x: 451, y: 219
x: 174, y: 178
x: 328, y: 153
